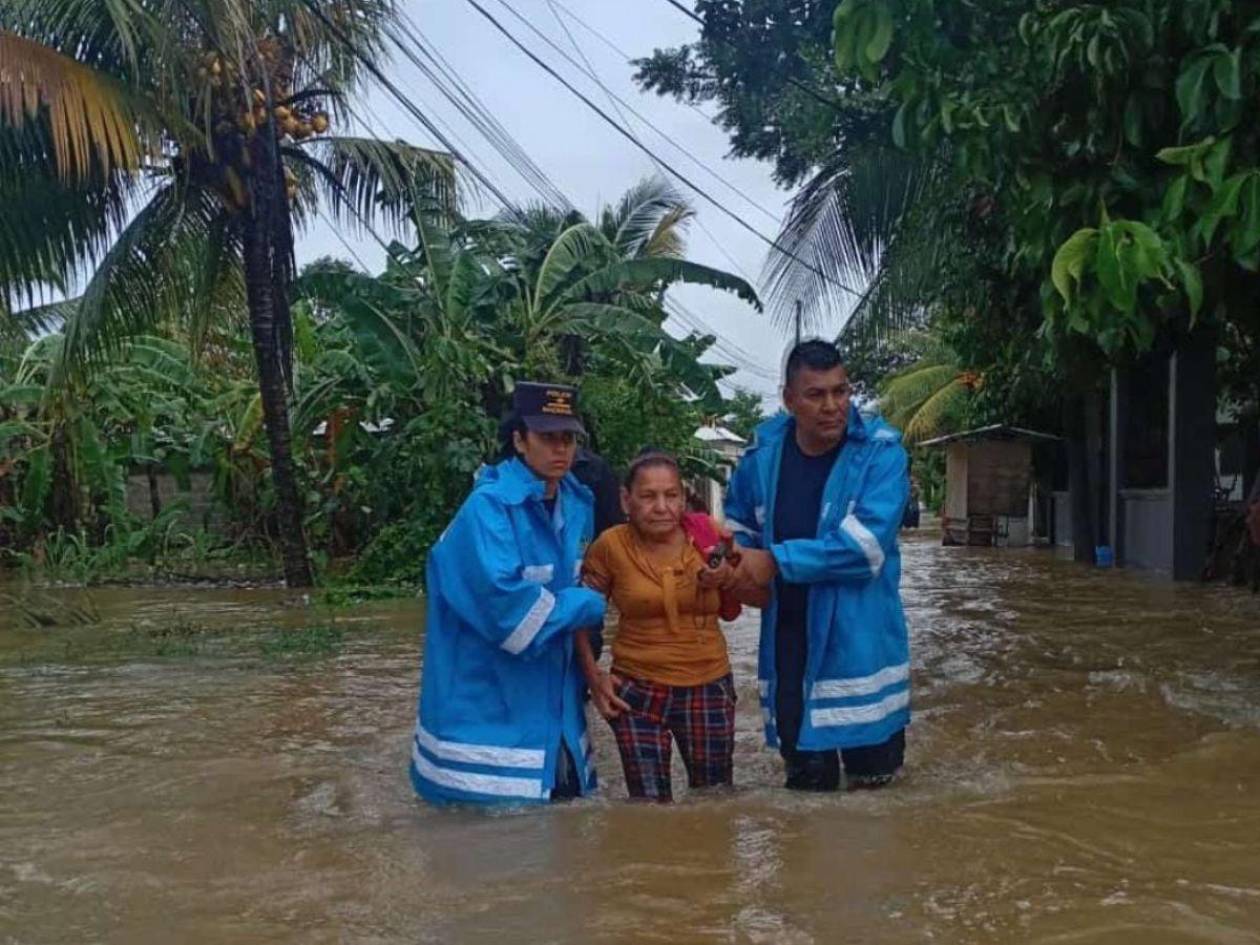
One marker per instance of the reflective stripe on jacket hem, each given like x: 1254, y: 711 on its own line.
x: 860, y: 685
x: 860, y: 714
x: 492, y: 755
x: 488, y: 785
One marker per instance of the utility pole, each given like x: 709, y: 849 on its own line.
x: 798, y: 321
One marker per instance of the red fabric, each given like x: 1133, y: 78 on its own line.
x: 702, y: 531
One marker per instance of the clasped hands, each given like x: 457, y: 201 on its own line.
x: 746, y: 573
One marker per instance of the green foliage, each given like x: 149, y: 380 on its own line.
x: 626, y: 417
x: 745, y: 410
x: 862, y: 31
x: 302, y: 644
x: 1113, y: 139
x: 927, y: 399
x: 1051, y: 186
x: 399, y: 384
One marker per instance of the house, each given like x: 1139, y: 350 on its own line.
x: 729, y: 447
x: 1152, y: 463
x: 990, y: 491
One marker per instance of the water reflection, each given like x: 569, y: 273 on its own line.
x: 1084, y: 767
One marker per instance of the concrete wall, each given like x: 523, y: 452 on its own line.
x: 201, y: 511
x: 1013, y: 533
x: 956, y: 481
x: 1147, y: 519
x: 1062, y: 519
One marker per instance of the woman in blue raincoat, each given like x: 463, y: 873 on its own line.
x: 501, y: 716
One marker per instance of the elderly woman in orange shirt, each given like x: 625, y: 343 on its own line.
x: 670, y: 679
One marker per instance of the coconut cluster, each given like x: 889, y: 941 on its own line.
x: 238, y: 112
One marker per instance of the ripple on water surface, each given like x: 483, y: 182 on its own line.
x: 1084, y: 767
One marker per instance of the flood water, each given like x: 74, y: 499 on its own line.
x: 1084, y: 767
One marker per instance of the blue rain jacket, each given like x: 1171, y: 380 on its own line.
x: 499, y: 686
x: 857, y: 672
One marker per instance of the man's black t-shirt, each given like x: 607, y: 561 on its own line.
x: 797, y: 504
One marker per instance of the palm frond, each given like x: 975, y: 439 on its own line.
x: 925, y: 399
x: 92, y: 124
x: 369, y: 180
x: 38, y: 319
x: 899, y: 297
x: 904, y: 392
x: 50, y: 227
x: 150, y: 274
x: 641, y: 274
x: 649, y: 220
x: 577, y: 246
x: 218, y: 300
x: 335, y: 36
x: 934, y: 416
x: 842, y: 226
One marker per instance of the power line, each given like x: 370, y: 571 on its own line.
x: 618, y: 103
x: 773, y: 244
x: 539, y: 185
x: 419, y: 116
x: 692, y: 322
x: 812, y: 92
x: 623, y: 54
x: 457, y: 92
x: 590, y: 68
x: 726, y: 349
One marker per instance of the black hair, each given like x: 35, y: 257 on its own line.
x: 815, y: 354
x: 512, y: 423
x: 649, y: 458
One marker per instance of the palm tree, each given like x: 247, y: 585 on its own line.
x: 866, y: 237
x: 649, y: 220
x: 226, y: 103
x: 486, y: 303
x: 927, y: 398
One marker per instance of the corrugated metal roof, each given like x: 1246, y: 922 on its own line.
x: 998, y: 431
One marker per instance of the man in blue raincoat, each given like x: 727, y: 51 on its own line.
x: 501, y: 716
x: 816, y: 503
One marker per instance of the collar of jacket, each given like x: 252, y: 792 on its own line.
x: 515, y: 483
x: 772, y: 431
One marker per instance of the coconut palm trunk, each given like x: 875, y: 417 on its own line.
x: 267, y: 250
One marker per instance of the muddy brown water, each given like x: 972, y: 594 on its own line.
x: 1084, y: 767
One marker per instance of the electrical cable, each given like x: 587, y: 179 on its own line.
x: 614, y: 100
x: 773, y: 244
x: 419, y: 116
x: 456, y: 91
x: 618, y: 103
x: 431, y: 51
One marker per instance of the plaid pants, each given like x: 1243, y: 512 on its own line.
x: 700, y: 718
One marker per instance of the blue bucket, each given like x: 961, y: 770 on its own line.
x: 1104, y: 557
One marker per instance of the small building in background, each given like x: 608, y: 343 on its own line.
x: 990, y: 493
x: 729, y: 447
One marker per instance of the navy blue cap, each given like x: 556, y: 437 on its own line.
x: 547, y: 408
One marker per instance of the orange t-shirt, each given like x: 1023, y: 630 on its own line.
x: 667, y: 628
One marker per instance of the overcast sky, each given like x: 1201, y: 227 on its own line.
x: 588, y: 160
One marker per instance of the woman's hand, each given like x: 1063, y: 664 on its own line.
x: 604, y: 695
x: 719, y: 577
